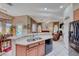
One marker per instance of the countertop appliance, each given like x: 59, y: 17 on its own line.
x: 48, y: 46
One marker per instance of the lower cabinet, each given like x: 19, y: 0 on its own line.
x: 41, y: 50
x: 36, y: 49
x: 21, y: 50
x: 32, y: 51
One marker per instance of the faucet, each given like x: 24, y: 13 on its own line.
x: 33, y: 37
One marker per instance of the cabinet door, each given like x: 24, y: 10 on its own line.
x: 41, y: 50
x: 20, y: 50
x: 32, y: 51
x: 76, y: 14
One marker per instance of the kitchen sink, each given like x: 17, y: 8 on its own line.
x: 34, y: 39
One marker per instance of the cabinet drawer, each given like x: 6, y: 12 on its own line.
x: 33, y: 45
x: 42, y: 42
x: 41, y: 50
x: 21, y: 50
x: 32, y: 51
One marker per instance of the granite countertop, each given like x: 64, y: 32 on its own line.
x: 23, y: 41
x: 27, y: 43
x: 23, y: 35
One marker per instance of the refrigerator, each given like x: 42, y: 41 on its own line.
x: 74, y: 35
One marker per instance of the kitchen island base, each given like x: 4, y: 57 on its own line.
x: 35, y: 49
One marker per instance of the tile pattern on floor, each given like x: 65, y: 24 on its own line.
x: 59, y: 49
x: 72, y: 52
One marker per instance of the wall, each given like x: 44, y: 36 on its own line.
x: 68, y: 12
x: 50, y: 26
x: 24, y: 21
x: 20, y: 20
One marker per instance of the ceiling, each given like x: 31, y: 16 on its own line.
x: 36, y: 10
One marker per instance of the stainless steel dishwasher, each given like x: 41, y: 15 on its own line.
x: 48, y: 46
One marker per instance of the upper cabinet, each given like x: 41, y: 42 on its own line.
x: 31, y: 25
x: 28, y: 24
x: 39, y: 27
x: 76, y: 14
x: 34, y: 26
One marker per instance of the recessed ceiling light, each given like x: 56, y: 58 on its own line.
x: 45, y: 8
x: 61, y: 6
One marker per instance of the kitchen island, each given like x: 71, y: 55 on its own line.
x: 31, y: 48
x: 22, y: 47
x: 34, y: 48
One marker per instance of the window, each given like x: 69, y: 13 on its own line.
x: 8, y: 25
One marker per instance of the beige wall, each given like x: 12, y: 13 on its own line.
x: 20, y: 20
x: 50, y: 26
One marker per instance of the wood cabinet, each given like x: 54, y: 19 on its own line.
x: 31, y: 25
x: 39, y: 27
x: 35, y: 49
x: 76, y: 14
x: 21, y: 50
x: 41, y: 49
x: 32, y: 51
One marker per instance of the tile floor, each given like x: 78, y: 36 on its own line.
x: 72, y: 52
x: 59, y: 49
